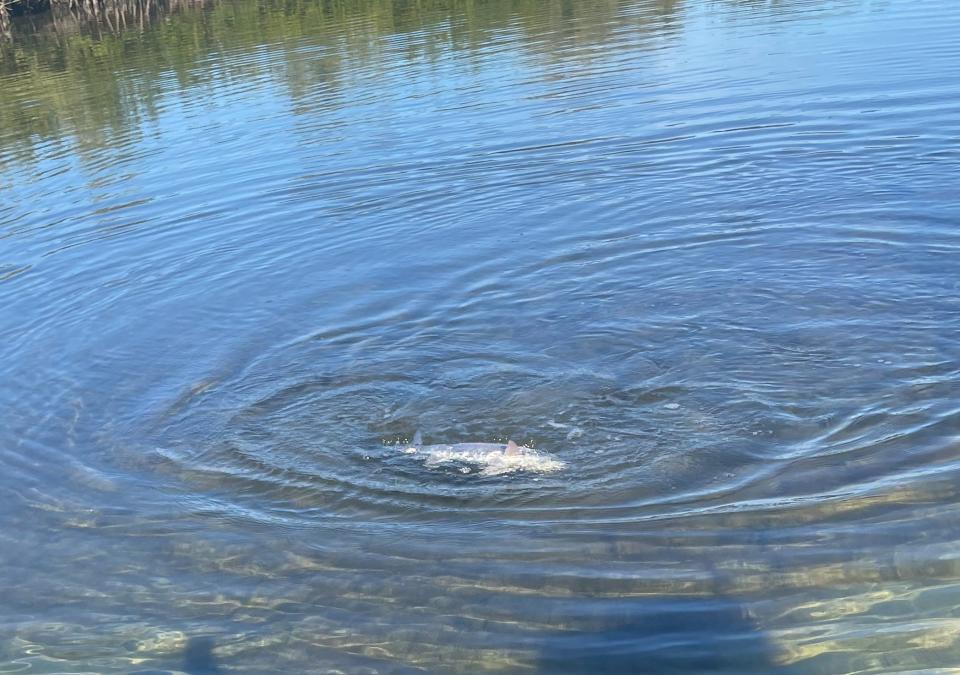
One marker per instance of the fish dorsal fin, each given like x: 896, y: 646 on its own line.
x: 417, y: 438
x: 511, y: 449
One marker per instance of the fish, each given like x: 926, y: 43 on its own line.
x: 484, y: 459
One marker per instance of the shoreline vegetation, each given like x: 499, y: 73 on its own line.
x: 11, y: 8
x: 69, y: 78
x: 116, y: 14
x: 24, y: 16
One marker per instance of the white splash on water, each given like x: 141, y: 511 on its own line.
x: 489, y: 459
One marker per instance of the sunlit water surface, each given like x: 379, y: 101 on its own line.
x: 706, y: 253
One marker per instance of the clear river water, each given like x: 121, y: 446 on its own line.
x: 703, y: 255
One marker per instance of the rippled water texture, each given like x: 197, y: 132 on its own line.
x: 703, y: 253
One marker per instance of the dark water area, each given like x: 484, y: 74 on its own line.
x: 705, y: 253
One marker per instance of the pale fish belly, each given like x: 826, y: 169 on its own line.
x: 486, y: 459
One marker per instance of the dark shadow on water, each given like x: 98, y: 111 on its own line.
x: 198, y: 659
x: 662, y: 635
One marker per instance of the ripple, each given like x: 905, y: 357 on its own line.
x: 704, y: 254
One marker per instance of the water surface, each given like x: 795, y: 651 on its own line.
x: 704, y: 252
